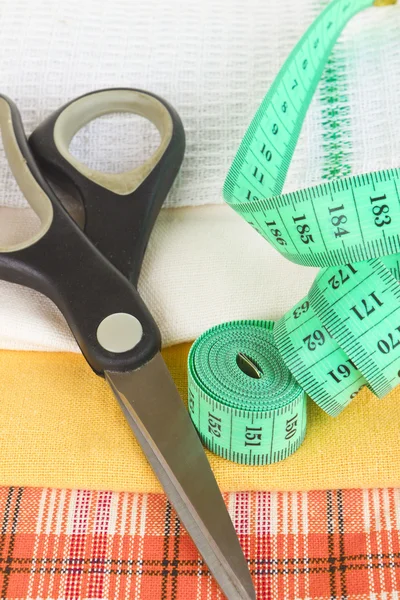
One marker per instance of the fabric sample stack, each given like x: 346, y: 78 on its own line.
x: 82, y: 513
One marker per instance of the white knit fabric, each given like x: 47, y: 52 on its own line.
x: 213, y: 60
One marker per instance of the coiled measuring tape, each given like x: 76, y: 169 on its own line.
x: 250, y: 410
x: 346, y: 333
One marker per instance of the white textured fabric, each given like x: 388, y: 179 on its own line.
x: 212, y: 59
x: 202, y: 266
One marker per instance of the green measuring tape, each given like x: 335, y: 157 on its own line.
x: 251, y: 411
x: 346, y: 333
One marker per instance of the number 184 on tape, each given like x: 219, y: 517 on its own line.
x: 346, y: 333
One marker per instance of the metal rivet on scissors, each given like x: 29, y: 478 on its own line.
x: 91, y: 275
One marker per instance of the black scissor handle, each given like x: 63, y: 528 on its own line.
x: 62, y: 263
x: 120, y: 209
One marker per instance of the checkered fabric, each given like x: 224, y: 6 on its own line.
x: 321, y: 545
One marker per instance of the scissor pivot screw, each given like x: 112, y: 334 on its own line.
x: 119, y: 332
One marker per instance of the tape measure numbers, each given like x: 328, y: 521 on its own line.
x: 349, y: 220
x: 346, y: 333
x: 243, y: 400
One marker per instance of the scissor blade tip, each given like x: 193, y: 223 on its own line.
x: 243, y: 585
x: 252, y: 595
x: 149, y: 399
x: 249, y: 592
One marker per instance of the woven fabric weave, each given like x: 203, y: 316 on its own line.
x: 214, y: 60
x: 60, y: 426
x: 76, y: 545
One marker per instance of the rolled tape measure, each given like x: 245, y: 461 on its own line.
x: 346, y: 333
x: 243, y: 400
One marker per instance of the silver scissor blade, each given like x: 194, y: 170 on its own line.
x: 162, y: 426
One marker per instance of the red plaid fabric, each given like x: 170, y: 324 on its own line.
x: 321, y: 545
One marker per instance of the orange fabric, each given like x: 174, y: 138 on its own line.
x: 299, y: 546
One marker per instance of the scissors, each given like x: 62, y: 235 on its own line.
x: 91, y: 274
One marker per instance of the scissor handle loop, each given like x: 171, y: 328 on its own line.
x: 91, y: 106
x: 120, y: 208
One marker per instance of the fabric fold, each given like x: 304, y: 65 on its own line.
x: 202, y: 266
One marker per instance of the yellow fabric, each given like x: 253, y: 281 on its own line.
x: 60, y: 426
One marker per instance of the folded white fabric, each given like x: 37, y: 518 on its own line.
x: 202, y: 266
x: 214, y: 61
